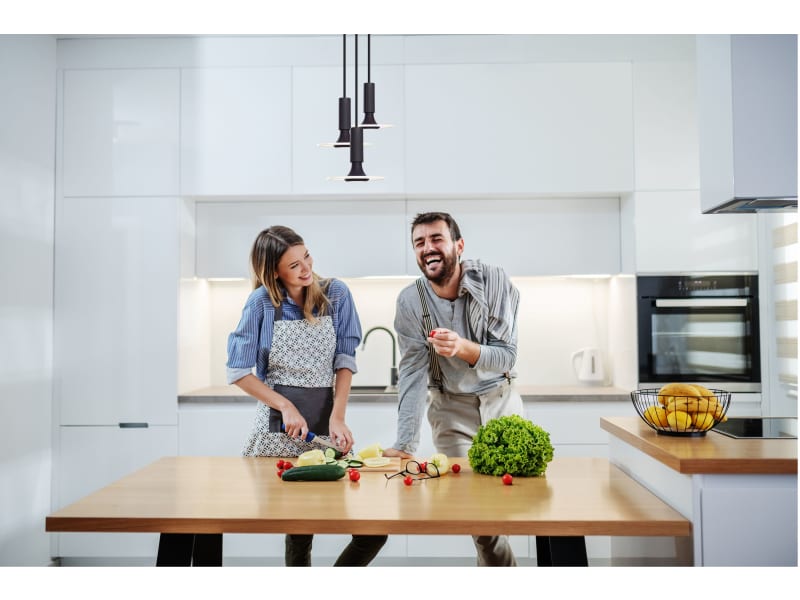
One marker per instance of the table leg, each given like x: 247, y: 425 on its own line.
x: 561, y: 551
x: 189, y: 549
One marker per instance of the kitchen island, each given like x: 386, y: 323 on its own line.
x: 739, y: 494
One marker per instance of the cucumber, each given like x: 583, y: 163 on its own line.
x: 314, y: 473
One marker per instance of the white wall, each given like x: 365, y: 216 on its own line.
x: 27, y: 143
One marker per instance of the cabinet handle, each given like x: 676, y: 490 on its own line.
x: 133, y: 425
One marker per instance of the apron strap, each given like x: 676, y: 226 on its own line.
x: 433, y: 360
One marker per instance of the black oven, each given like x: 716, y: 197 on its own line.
x: 699, y: 328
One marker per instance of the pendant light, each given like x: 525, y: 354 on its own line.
x: 343, y: 141
x: 369, y: 94
x: 357, y: 142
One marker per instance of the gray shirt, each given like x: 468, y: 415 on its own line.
x: 484, y: 312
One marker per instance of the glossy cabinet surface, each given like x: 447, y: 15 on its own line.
x: 120, y: 132
x: 116, y: 302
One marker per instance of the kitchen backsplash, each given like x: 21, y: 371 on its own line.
x: 557, y: 316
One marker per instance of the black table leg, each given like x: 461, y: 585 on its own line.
x: 561, y: 551
x: 189, y: 549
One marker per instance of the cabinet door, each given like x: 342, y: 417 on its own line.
x: 315, y: 120
x: 672, y: 235
x: 91, y: 458
x: 519, y: 128
x: 353, y: 238
x: 236, y: 131
x: 120, y: 132
x: 116, y: 299
x: 536, y: 236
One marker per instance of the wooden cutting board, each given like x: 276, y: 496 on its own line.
x: 392, y: 467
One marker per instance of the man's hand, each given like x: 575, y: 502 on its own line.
x: 390, y: 452
x: 448, y: 343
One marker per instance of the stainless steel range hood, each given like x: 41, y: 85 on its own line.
x: 753, y: 205
x: 747, y: 122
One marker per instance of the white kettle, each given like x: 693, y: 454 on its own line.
x: 588, y: 365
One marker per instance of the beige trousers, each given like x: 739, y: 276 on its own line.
x: 454, y: 420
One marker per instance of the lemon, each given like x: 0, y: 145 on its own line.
x: 376, y: 461
x: 703, y: 421
x: 441, y: 462
x: 657, y: 415
x: 312, y: 457
x: 679, y: 420
x: 371, y: 451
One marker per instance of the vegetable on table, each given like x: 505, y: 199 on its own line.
x: 512, y: 445
x: 314, y: 473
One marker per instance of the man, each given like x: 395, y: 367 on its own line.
x: 458, y: 325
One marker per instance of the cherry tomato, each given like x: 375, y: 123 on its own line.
x: 280, y: 473
x: 455, y: 468
x: 287, y: 465
x: 354, y: 475
x: 433, y: 334
x: 423, y: 467
x: 408, y: 480
x: 507, y: 479
x: 279, y: 464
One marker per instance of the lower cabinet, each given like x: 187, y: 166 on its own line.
x: 91, y: 458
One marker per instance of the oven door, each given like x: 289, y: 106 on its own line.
x: 705, y: 340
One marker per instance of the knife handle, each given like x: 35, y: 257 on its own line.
x: 309, y: 436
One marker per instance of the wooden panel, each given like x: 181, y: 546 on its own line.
x: 578, y: 496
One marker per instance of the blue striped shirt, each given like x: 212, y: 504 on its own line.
x: 249, y: 344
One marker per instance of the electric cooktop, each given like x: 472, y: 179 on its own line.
x: 759, y: 427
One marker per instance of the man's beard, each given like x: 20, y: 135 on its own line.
x: 446, y: 270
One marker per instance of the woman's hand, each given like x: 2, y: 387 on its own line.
x: 294, y: 422
x: 340, y: 434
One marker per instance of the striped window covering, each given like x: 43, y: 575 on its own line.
x: 780, y: 230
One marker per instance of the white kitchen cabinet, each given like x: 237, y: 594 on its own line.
x: 347, y: 238
x: 534, y: 236
x: 519, y: 128
x: 90, y: 458
x: 236, y: 131
x: 120, y: 132
x: 673, y: 236
x: 116, y: 301
x: 315, y: 120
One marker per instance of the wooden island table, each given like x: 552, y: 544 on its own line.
x: 206, y: 497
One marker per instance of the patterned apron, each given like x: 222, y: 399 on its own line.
x: 301, y: 369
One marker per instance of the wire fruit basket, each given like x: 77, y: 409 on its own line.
x: 682, y: 414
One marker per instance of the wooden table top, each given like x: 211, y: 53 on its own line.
x: 711, y: 454
x: 577, y: 496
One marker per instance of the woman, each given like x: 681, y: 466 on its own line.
x: 301, y: 333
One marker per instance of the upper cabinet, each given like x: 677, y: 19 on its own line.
x: 315, y: 120
x: 747, y: 109
x: 236, y: 131
x: 541, y: 127
x: 120, y: 132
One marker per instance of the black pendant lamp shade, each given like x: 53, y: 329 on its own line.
x: 369, y: 121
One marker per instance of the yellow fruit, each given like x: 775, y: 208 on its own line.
x: 656, y: 415
x: 377, y: 461
x: 703, y: 421
x: 679, y: 420
x: 371, y: 451
x: 441, y: 462
x: 312, y: 457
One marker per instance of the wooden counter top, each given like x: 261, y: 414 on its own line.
x: 576, y: 497
x: 713, y: 453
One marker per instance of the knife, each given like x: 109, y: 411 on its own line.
x: 313, y: 437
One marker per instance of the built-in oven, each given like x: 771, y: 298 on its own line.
x: 699, y: 328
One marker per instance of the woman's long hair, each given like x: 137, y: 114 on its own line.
x: 269, y: 247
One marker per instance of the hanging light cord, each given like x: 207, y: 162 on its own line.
x: 344, y: 65
x: 369, y: 59
x: 356, y: 84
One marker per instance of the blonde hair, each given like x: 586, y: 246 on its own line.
x: 268, y: 249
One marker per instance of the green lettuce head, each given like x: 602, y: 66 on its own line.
x: 510, y: 445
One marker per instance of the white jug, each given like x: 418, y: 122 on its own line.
x: 588, y: 365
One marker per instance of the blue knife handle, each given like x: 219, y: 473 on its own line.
x: 309, y: 436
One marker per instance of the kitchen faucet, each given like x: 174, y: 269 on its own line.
x: 393, y: 372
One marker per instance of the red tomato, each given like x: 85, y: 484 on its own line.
x: 287, y: 465
x: 423, y: 467
x: 280, y: 473
x: 433, y: 334
x: 408, y: 480
x: 279, y: 464
x: 507, y: 479
x: 455, y: 468
x: 354, y: 475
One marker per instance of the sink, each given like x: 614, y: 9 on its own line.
x: 372, y: 390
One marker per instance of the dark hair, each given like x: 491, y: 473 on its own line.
x: 432, y: 217
x: 268, y: 248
